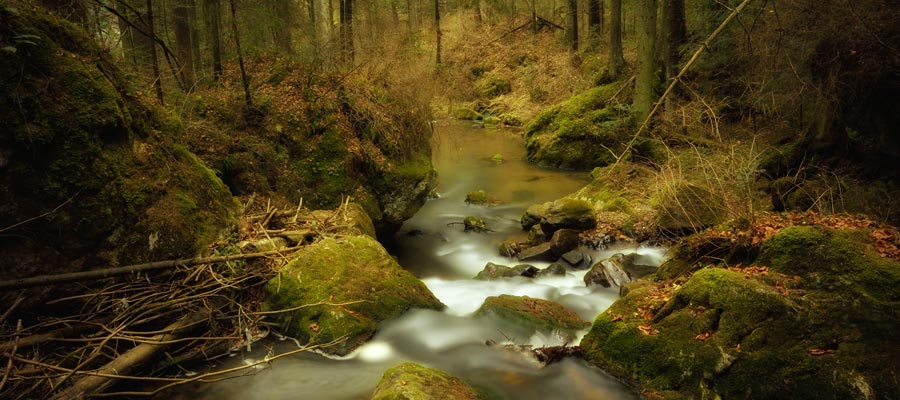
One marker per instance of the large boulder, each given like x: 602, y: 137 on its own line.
x: 537, y: 314
x: 562, y: 242
x: 91, y: 175
x: 579, y: 133
x: 411, y: 381
x: 356, y: 273
x: 814, y: 316
x: 564, y: 213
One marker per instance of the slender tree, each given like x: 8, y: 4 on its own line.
x: 675, y: 36
x: 213, y: 11
x: 183, y: 44
x: 412, y: 21
x: 282, y: 31
x: 595, y: 22
x: 347, y: 50
x: 154, y: 59
x: 572, y: 25
x: 645, y: 77
x: 437, y: 29
x: 616, y: 57
x: 237, y: 44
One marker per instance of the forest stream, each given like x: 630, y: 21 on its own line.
x: 435, y: 248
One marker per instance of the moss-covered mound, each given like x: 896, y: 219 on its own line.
x: 579, y: 133
x: 537, y: 314
x: 411, y: 381
x: 815, y: 317
x: 358, y: 278
x: 90, y: 174
x: 322, y: 138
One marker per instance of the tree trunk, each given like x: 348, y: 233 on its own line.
x: 213, y: 9
x: 154, y: 59
x: 237, y: 44
x: 131, y: 51
x: 320, y: 15
x: 645, y: 77
x: 413, y: 20
x: 616, y: 57
x: 572, y: 25
x: 283, y: 29
x: 676, y: 35
x: 437, y: 29
x: 182, y: 27
x: 595, y: 22
x: 347, y: 50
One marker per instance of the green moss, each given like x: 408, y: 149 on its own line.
x: 579, y: 133
x: 415, y: 382
x: 490, y: 86
x: 77, y: 137
x: 538, y: 314
x: 355, y: 270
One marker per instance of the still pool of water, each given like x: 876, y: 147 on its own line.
x: 434, y: 247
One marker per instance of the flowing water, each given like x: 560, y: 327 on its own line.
x: 434, y: 247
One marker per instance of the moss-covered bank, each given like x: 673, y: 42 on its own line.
x: 321, y: 137
x: 90, y: 173
x: 814, y: 316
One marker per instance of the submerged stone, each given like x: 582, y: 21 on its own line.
x: 538, y: 314
x: 554, y: 269
x: 355, y: 271
x: 411, y: 381
x: 496, y: 271
x: 474, y: 224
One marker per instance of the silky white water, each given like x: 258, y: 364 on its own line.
x: 446, y: 258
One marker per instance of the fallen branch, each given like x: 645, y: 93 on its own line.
x: 703, y: 46
x: 34, y: 340
x: 129, y: 360
x: 44, y: 280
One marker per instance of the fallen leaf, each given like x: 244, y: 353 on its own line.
x: 703, y: 336
x: 647, y: 330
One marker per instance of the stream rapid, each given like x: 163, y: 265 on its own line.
x: 434, y: 247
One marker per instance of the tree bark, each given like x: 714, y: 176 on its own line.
x: 572, y: 25
x: 595, y: 23
x: 154, y: 59
x: 676, y: 35
x: 125, y: 363
x: 437, y: 29
x: 237, y: 44
x: 347, y: 46
x: 412, y: 22
x: 616, y: 57
x: 213, y: 10
x: 283, y: 29
x: 645, y: 76
x: 182, y: 27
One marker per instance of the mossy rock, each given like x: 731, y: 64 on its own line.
x: 564, y: 213
x: 819, y: 322
x: 492, y: 121
x: 478, y: 197
x: 468, y: 114
x: 493, y: 271
x: 491, y: 85
x: 346, y: 270
x: 538, y: 314
x: 411, y: 381
x: 474, y: 224
x: 76, y: 140
x: 579, y: 133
